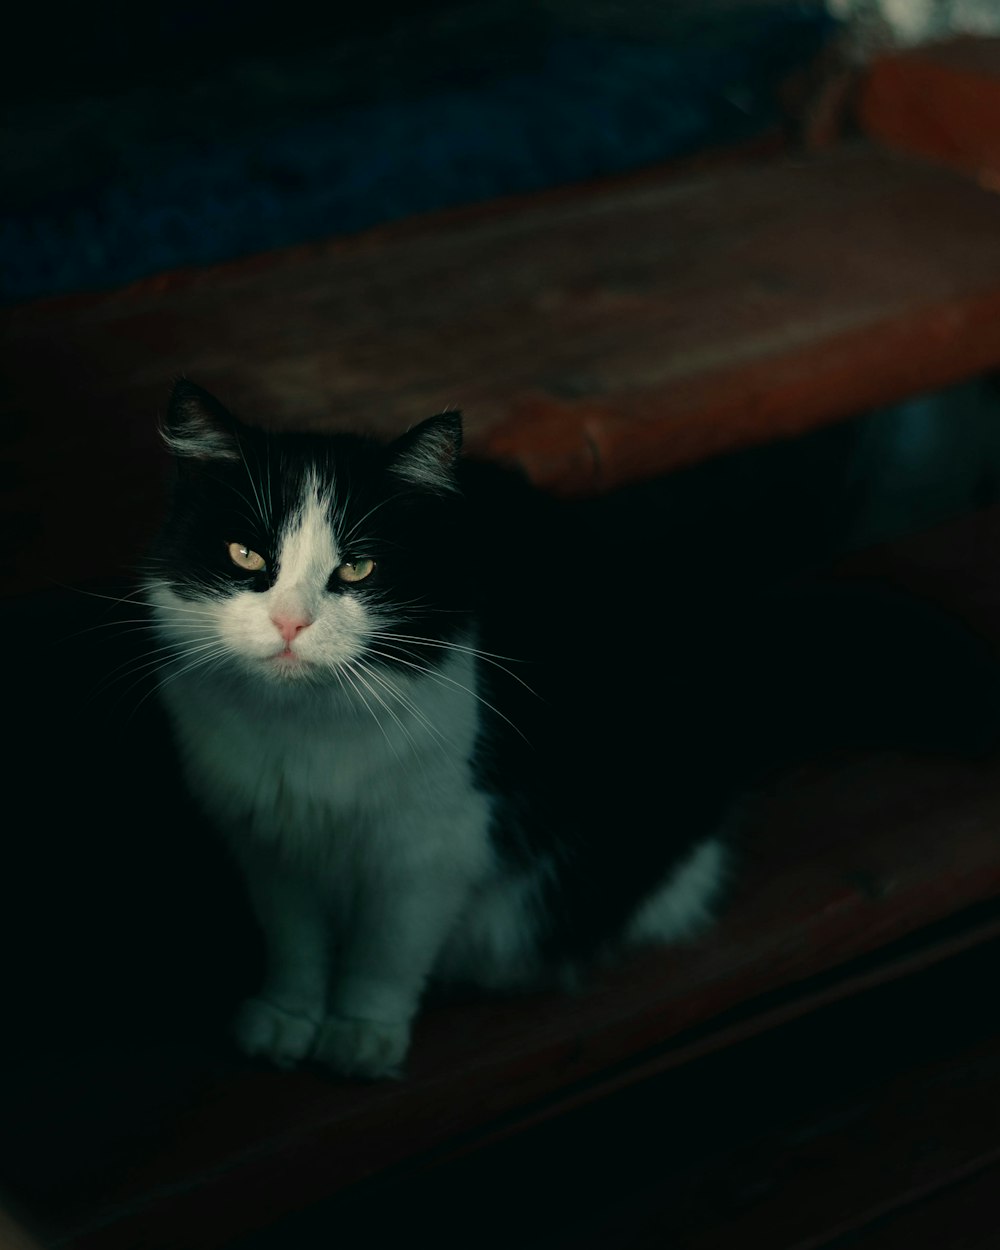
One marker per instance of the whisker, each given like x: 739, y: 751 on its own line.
x: 253, y: 484
x: 145, y: 664
x: 443, y: 679
x: 371, y: 512
x: 213, y: 659
x: 487, y: 656
x: 355, y: 668
x: 393, y: 691
x: 374, y: 715
x: 143, y: 603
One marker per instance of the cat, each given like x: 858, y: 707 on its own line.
x: 456, y: 734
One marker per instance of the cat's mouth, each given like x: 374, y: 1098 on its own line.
x: 287, y: 661
x: 288, y: 656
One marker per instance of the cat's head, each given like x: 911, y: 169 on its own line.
x: 304, y: 557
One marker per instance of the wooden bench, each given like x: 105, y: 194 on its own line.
x: 597, y: 336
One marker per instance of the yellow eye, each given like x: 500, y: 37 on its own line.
x: 356, y: 570
x: 246, y: 559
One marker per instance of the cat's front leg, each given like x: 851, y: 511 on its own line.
x: 396, y: 937
x: 281, y: 1022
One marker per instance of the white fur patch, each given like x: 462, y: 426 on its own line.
x: 430, y: 461
x: 197, y: 441
x: 244, y: 627
x: 684, y: 903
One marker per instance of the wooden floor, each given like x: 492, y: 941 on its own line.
x: 868, y: 1124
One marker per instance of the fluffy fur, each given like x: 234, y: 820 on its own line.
x: 455, y: 733
x: 405, y: 803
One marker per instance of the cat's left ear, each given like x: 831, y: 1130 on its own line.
x: 198, y: 427
x: 427, y: 454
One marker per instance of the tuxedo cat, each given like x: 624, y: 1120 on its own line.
x: 452, y: 731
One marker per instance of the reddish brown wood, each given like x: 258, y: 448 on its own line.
x: 842, y: 863
x: 595, y: 338
x: 965, y: 1216
x: 880, y: 1169
x: 940, y: 101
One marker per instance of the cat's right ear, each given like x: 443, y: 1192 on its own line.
x: 198, y: 427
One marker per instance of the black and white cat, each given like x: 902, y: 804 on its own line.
x: 409, y: 799
x: 452, y: 732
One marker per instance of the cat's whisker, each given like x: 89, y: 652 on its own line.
x: 138, y: 668
x: 92, y: 594
x: 215, y: 659
x: 194, y: 644
x: 192, y: 658
x: 456, y: 646
x: 486, y: 656
x: 374, y: 714
x: 407, y: 704
x: 358, y: 672
x: 253, y: 485
x: 131, y: 601
x: 350, y: 702
x: 139, y: 625
x: 441, y: 678
x: 346, y: 538
x: 267, y: 482
x: 148, y: 670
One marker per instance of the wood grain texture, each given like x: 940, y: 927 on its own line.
x: 595, y: 338
x: 908, y: 1161
x: 845, y: 865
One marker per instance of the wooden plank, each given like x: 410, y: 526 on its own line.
x: 596, y: 337
x: 252, y: 1147
x: 843, y: 860
x: 940, y: 101
x: 965, y: 1216
x: 861, y: 1086
x: 802, y: 1191
x: 883, y: 1164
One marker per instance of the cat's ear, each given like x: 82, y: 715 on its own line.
x: 198, y: 427
x: 427, y: 454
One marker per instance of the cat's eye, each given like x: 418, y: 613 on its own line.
x: 244, y: 558
x: 356, y: 570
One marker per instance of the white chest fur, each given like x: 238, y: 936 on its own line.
x: 320, y: 775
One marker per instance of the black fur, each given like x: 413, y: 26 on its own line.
x: 644, y: 681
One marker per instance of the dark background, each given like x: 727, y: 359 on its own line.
x: 143, y: 137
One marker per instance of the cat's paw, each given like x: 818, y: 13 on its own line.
x: 363, y: 1048
x: 264, y: 1030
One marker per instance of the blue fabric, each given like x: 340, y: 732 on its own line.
x: 587, y: 107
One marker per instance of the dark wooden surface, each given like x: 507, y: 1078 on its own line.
x: 595, y: 336
x: 940, y: 102
x: 867, y: 1121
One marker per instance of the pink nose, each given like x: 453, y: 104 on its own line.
x: 290, y: 626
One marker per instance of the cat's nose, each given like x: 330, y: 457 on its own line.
x: 291, y: 625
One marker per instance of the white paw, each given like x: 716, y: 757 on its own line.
x: 264, y: 1029
x: 363, y: 1048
